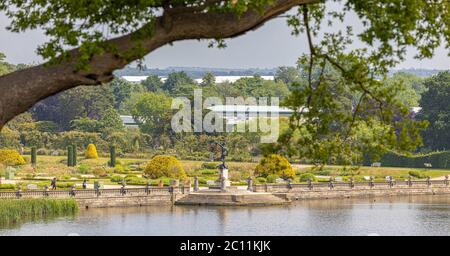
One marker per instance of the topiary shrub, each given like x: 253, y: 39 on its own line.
x: 275, y: 164
x: 117, y: 178
x: 305, y: 177
x: 100, y: 172
x: 210, y: 165
x: 261, y: 180
x: 167, y: 166
x: 272, y: 178
x: 84, y: 169
x: 91, y: 152
x: 416, y: 174
x: 11, y: 157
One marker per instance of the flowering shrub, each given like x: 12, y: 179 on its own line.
x: 11, y: 157
x: 275, y: 165
x: 91, y: 152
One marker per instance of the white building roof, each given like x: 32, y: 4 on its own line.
x: 128, y: 120
x: 219, y: 79
x: 250, y: 109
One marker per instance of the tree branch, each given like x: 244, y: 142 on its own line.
x: 20, y: 90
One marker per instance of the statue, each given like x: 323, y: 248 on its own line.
x: 223, y: 154
x: 224, y: 182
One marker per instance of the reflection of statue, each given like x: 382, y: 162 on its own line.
x: 223, y: 154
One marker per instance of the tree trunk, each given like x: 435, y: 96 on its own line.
x: 21, y: 89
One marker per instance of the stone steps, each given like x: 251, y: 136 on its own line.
x: 230, y: 199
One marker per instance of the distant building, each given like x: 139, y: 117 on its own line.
x: 128, y: 121
x: 239, y: 113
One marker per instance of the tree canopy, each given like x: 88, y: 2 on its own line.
x: 435, y: 103
x: 88, y: 40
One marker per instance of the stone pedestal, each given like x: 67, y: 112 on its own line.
x: 195, y: 184
x: 224, y: 181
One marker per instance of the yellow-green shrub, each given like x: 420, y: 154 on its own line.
x: 167, y: 166
x: 91, y: 152
x: 11, y: 157
x: 100, y: 172
x: 275, y: 165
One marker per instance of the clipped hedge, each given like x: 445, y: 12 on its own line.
x: 305, y: 177
x: 439, y: 160
x: 11, y: 157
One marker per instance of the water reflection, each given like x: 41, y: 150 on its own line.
x: 414, y: 215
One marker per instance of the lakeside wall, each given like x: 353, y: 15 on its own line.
x: 264, y: 194
x: 362, y: 189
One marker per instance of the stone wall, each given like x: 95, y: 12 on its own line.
x: 357, y: 190
x: 128, y: 201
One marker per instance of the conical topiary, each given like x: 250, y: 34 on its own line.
x: 33, y: 156
x: 91, y: 152
x: 112, y: 152
x: 70, y: 156
x: 74, y: 157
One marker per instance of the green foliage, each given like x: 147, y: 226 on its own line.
x: 117, y: 178
x: 154, y: 113
x: 209, y: 172
x: 9, y: 187
x: 208, y: 80
x: 256, y: 86
x: 287, y: 75
x: 275, y: 164
x: 100, y: 172
x: 210, y: 165
x: 9, y: 138
x: 111, y: 121
x: 81, y: 139
x: 46, y: 126
x: 74, y: 155
x: 305, y: 177
x: 412, y: 85
x: 153, y: 83
x: 435, y: 103
x: 33, y: 156
x: 261, y: 180
x: 112, y: 152
x: 343, y: 91
x: 440, y: 160
x: 86, y: 124
x: 84, y: 169
x: 136, y: 181
x: 121, y: 89
x: 167, y: 166
x: 70, y: 155
x: 417, y: 174
x: 272, y: 178
x: 176, y: 80
x: 77, y: 103
x: 13, y: 210
x: 5, y: 67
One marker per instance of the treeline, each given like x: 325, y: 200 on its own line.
x: 86, y: 115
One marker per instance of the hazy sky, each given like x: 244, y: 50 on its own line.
x: 270, y: 46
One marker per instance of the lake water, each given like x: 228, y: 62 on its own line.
x: 413, y: 215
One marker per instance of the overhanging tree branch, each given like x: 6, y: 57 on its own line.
x: 20, y: 90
